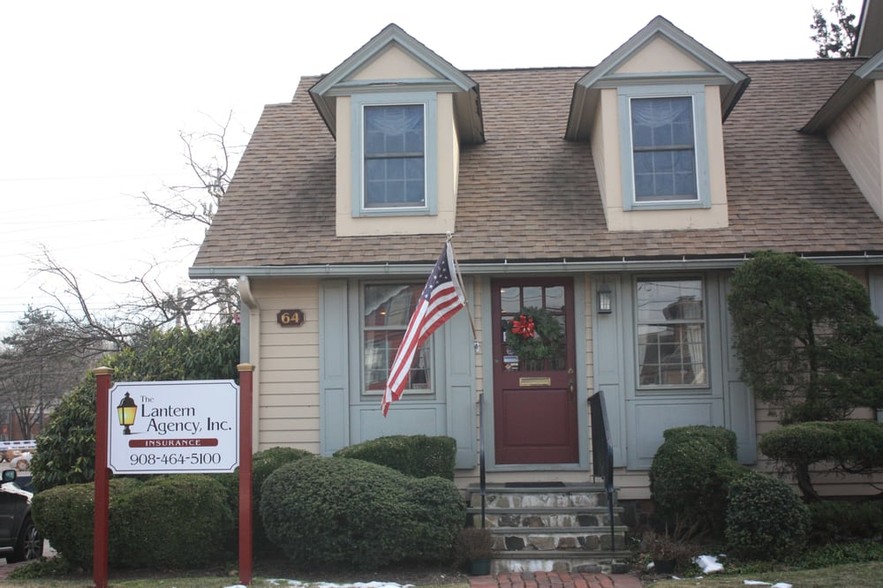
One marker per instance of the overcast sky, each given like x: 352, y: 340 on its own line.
x: 93, y: 96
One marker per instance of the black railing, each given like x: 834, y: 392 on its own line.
x: 482, y: 481
x: 602, y: 454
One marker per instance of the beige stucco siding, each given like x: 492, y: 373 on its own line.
x: 288, y: 365
x: 660, y: 55
x: 393, y: 64
x: 856, y: 137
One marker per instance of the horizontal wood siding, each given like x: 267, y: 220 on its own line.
x: 288, y: 396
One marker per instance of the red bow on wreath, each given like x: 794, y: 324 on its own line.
x: 524, y: 326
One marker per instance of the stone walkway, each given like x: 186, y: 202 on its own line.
x: 555, y: 580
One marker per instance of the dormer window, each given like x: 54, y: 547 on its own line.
x: 394, y: 154
x: 395, y: 162
x: 664, y: 147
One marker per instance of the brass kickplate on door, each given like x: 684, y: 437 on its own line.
x: 534, y: 381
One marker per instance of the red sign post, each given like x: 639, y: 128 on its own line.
x: 246, y: 373
x: 102, y: 485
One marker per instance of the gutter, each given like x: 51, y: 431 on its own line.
x: 505, y: 267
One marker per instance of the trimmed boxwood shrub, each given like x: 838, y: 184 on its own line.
x: 845, y: 446
x: 65, y: 515
x: 263, y: 464
x: 180, y: 521
x: 350, y: 513
x: 765, y: 519
x: 419, y: 456
x: 687, y: 480
x: 846, y: 520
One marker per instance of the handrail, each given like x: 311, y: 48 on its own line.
x: 602, y: 453
x: 482, y: 482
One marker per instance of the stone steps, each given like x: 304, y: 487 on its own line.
x: 550, y: 528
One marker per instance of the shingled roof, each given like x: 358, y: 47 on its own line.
x: 526, y: 194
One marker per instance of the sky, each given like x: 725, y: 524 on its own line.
x: 94, y: 95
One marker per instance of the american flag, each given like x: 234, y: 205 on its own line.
x: 440, y: 300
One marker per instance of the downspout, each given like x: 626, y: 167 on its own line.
x: 249, y: 332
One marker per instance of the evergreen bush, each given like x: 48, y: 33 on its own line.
x: 419, y: 456
x: 168, y: 522
x: 850, y: 446
x: 765, y: 519
x: 264, y: 463
x: 347, y: 513
x: 687, y: 480
x: 66, y: 448
x: 846, y: 520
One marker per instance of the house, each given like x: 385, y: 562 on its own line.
x: 609, y: 204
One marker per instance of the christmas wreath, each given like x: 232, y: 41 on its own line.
x: 534, y: 334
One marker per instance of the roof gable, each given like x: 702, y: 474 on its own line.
x: 689, y: 62
x: 854, y: 85
x: 416, y: 67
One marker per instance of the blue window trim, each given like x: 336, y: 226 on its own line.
x: 700, y: 143
x: 357, y: 105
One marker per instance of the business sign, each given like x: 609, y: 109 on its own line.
x: 173, y: 427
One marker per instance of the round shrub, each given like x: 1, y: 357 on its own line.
x: 765, y: 518
x: 687, y: 480
x: 350, y: 513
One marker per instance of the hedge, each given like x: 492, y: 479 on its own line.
x: 419, y: 456
x: 347, y: 513
x: 168, y: 522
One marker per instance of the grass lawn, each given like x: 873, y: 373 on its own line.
x: 865, y: 575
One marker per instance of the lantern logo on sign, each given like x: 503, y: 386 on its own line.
x: 126, y: 412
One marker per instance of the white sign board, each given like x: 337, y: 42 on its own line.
x: 173, y: 427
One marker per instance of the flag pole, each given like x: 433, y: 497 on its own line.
x: 475, y: 343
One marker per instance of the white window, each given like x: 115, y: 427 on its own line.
x: 671, y: 326
x: 394, y: 154
x: 664, y: 148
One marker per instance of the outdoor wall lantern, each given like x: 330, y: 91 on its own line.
x: 605, y: 299
x: 126, y: 413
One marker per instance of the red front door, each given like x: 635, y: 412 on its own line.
x: 534, y: 372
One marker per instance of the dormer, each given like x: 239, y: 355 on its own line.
x: 399, y: 114
x: 654, y: 111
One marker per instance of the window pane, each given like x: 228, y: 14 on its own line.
x: 671, y: 333
x: 664, y: 151
x: 387, y: 311
x: 394, y: 156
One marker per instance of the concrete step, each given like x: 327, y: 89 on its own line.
x: 573, y: 495
x: 556, y: 561
x: 550, y: 527
x: 544, y: 517
x: 582, y: 539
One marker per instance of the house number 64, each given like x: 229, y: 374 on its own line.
x: 290, y: 318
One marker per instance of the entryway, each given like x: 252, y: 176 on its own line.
x: 534, y: 370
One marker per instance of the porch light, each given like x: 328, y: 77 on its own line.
x: 605, y: 299
x: 126, y: 413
